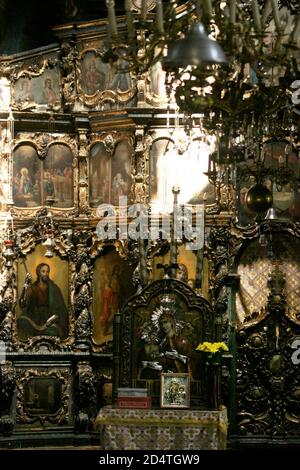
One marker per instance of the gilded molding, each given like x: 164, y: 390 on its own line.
x: 62, y: 415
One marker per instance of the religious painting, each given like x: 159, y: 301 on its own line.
x: 100, y: 175
x: 186, y: 271
x: 121, y: 173
x: 121, y: 80
x: 175, y: 390
x: 23, y: 93
x: 165, y: 336
x: 42, y: 396
x: 48, y: 88
x: 112, y: 286
x: 58, y: 175
x: 110, y: 175
x: 34, y: 181
x: 41, y: 91
x: 93, y: 73
x: 172, y: 161
x: 43, y: 297
x: 27, y: 171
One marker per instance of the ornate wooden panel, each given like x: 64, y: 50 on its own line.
x: 268, y: 379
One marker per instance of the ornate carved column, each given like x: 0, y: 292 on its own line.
x: 141, y: 165
x: 86, y: 397
x: 7, y: 388
x: 7, y: 297
x: 83, y: 185
x: 68, y: 60
x: 83, y: 321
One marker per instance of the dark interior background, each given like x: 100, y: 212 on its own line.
x: 27, y: 24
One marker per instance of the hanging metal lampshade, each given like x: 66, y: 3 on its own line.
x: 195, y: 49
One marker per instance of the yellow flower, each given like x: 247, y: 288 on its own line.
x: 212, y: 348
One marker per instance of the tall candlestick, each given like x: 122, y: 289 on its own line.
x: 143, y: 260
x: 112, y: 17
x: 208, y: 7
x: 265, y: 13
x: 174, y: 248
x: 159, y: 17
x: 256, y: 16
x: 276, y: 15
x: 129, y: 19
x: 232, y: 11
x: 199, y: 269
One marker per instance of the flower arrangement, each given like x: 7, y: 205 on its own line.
x: 212, y: 348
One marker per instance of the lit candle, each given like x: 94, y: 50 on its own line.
x: 276, y: 15
x: 112, y: 17
x: 256, y: 16
x: 232, y: 11
x: 159, y: 17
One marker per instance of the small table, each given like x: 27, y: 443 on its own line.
x: 162, y: 429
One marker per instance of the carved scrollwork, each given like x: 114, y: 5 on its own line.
x: 217, y: 250
x: 141, y: 172
x: 111, y: 139
x: 86, y: 397
x: 8, y: 380
x: 268, y: 377
x: 267, y: 403
x: 36, y: 82
x: 69, y: 55
x: 122, y: 247
x: 82, y: 300
x: 34, y: 67
x: 7, y: 296
x: 7, y: 389
x: 100, y: 82
x: 83, y: 171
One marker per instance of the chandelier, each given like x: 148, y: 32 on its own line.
x: 235, y: 63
